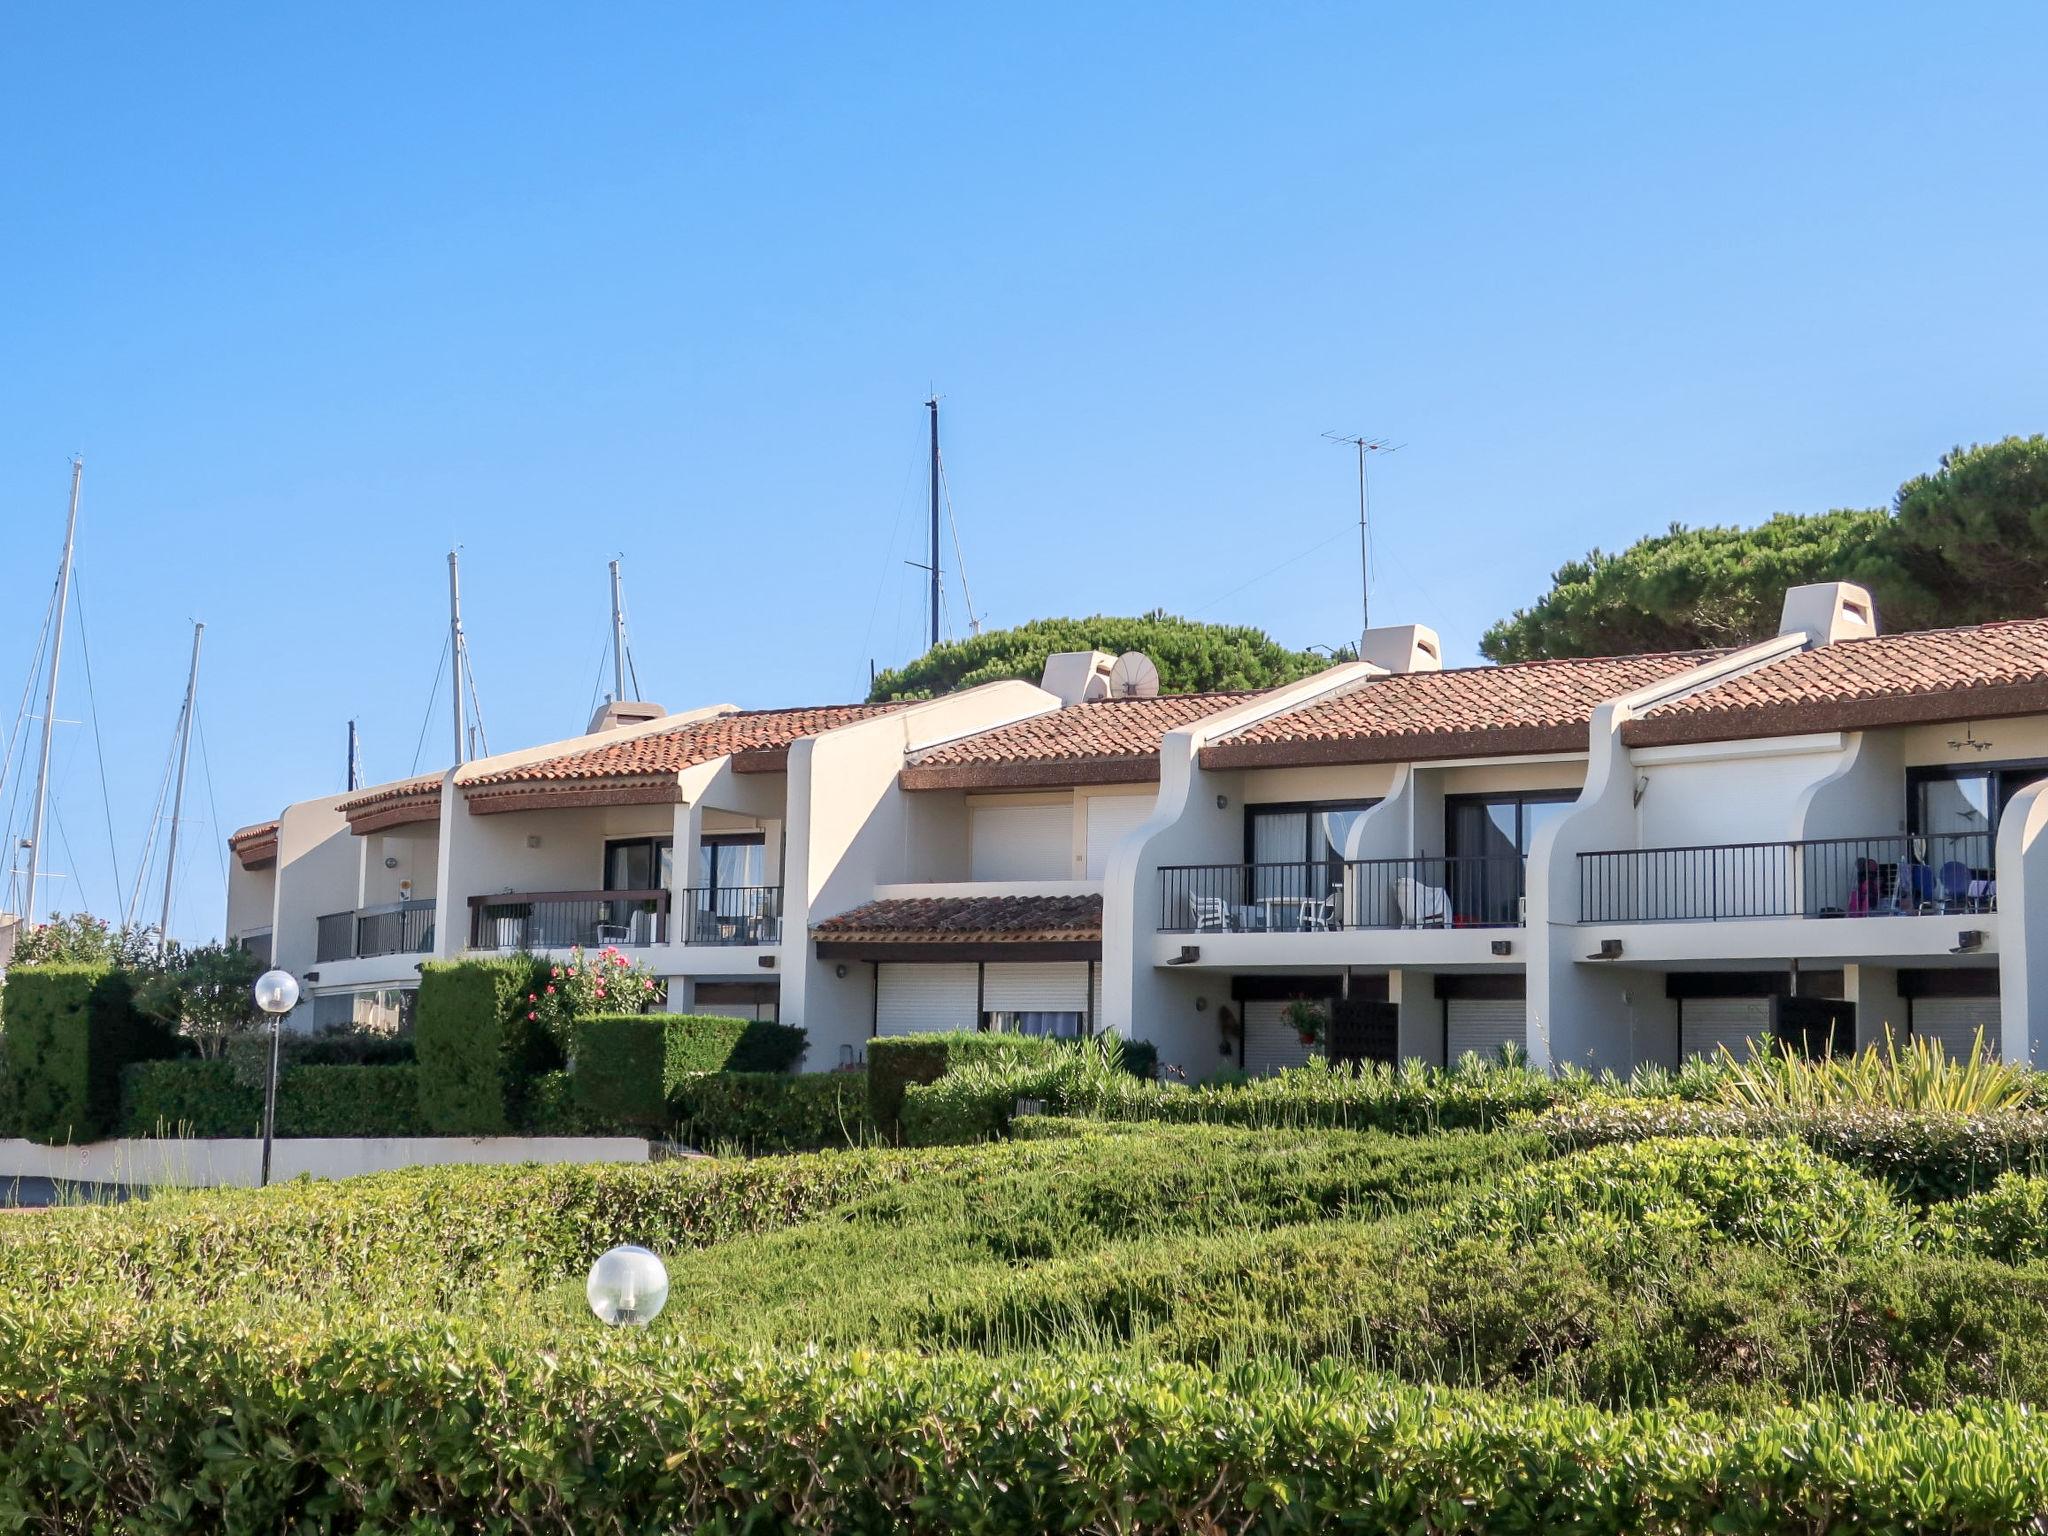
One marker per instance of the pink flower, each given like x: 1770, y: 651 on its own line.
x: 532, y: 999
x: 600, y: 991
x: 556, y: 973
x: 572, y: 970
x: 531, y: 1016
x: 647, y: 986
x: 551, y: 989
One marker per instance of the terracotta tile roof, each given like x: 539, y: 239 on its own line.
x: 395, y: 804
x: 1532, y: 706
x: 1105, y: 741
x: 1927, y: 676
x: 254, y: 846
x: 662, y: 754
x: 993, y: 919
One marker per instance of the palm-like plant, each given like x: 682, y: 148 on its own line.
x: 1919, y: 1074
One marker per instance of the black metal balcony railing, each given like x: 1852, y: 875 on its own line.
x: 395, y: 928
x: 732, y: 914
x: 1480, y: 892
x: 563, y: 919
x: 1938, y: 873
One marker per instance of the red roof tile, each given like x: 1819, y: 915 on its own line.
x: 969, y: 919
x: 1926, y: 676
x: 662, y: 754
x: 1105, y: 741
x: 1532, y: 706
x: 397, y: 789
x: 254, y: 846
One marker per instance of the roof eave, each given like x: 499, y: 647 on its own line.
x: 1946, y: 707
x: 1042, y: 773
x: 1432, y: 746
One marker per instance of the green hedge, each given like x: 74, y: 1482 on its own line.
x: 71, y: 1030
x: 627, y: 1064
x: 1926, y: 1155
x: 206, y: 1098
x: 476, y: 1046
x: 764, y: 1112
x: 897, y: 1061
x: 159, y: 1424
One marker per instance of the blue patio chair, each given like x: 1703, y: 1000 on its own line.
x: 1955, y: 886
x: 1915, y: 890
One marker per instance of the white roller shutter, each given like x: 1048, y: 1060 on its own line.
x: 1485, y: 1025
x: 1707, y: 1023
x: 1270, y: 1043
x: 1059, y: 986
x: 1020, y: 842
x: 1111, y: 818
x: 1954, y: 1021
x: 925, y: 999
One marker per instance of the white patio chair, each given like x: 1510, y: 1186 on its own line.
x: 1212, y: 914
x: 1422, y: 906
x: 1320, y: 916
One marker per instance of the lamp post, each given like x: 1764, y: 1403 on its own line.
x: 628, y: 1284
x: 277, y: 994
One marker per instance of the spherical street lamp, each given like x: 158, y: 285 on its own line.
x: 277, y: 994
x: 628, y: 1284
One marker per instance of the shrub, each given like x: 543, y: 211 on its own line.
x: 1919, y: 1076
x: 627, y: 1064
x: 189, y: 1098
x: 1923, y: 1156
x: 896, y: 1061
x: 349, y: 1101
x: 2007, y: 1222
x: 70, y: 1032
x: 1775, y: 1194
x: 551, y: 1108
x: 477, y: 1044
x: 211, y: 1098
x: 771, y: 1111
x: 245, y: 1425
x: 601, y: 981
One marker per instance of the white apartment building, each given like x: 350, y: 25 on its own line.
x: 1607, y: 861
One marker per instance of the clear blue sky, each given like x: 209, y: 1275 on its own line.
x: 320, y: 291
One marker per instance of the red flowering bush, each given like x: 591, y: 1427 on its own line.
x: 608, y: 981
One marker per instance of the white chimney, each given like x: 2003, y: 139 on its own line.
x: 1402, y: 648
x: 1828, y: 611
x: 1075, y: 676
x: 614, y: 713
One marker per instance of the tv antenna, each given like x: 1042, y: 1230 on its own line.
x: 1364, y: 446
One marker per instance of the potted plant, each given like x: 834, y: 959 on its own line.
x: 1308, y: 1019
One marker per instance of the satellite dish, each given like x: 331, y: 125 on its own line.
x: 1133, y: 677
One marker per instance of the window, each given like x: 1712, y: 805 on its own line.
x: 1487, y: 838
x: 1297, y: 853
x: 732, y: 861
x: 1958, y: 809
x: 1058, y: 1026
x: 639, y: 864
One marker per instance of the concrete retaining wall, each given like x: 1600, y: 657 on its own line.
x: 238, y: 1161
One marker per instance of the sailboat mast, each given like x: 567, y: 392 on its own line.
x: 35, y: 833
x: 163, y: 922
x: 455, y: 660
x: 355, y: 759
x: 933, y: 406
x: 618, y: 636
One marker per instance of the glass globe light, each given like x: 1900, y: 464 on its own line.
x: 277, y: 991
x: 628, y: 1284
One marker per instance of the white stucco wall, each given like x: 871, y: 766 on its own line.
x: 319, y: 867
x: 2023, y: 922
x: 252, y: 897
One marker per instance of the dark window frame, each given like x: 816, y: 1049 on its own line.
x: 1309, y: 808
x: 1936, y: 773
x: 653, y: 842
x: 1520, y: 799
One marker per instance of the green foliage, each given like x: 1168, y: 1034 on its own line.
x: 1686, y: 589
x: 1924, y: 1156
x: 1968, y: 544
x: 2007, y: 1222
x: 1773, y: 1194
x: 211, y: 1098
x: 896, y: 1061
x: 71, y: 1030
x: 206, y: 994
x: 1921, y: 1075
x: 478, y: 1042
x: 763, y: 1112
x: 600, y: 981
x: 1191, y: 657
x: 81, y: 939
x: 627, y: 1065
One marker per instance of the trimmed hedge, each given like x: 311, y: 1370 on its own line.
x: 476, y: 1044
x: 243, y: 1425
x: 206, y: 1098
x: 71, y: 1029
x: 766, y: 1112
x: 627, y: 1064
x: 897, y: 1061
x: 1925, y: 1155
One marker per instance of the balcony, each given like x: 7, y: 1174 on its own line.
x: 1479, y: 892
x: 395, y: 928
x: 732, y: 914
x: 1934, y: 875
x: 563, y: 919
